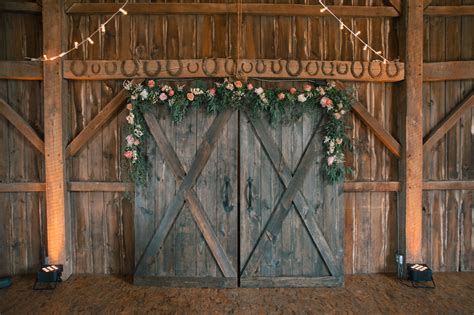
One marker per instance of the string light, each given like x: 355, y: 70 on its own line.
x: 88, y: 39
x: 356, y: 34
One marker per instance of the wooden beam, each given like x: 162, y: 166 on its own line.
x: 397, y: 5
x: 447, y: 123
x: 21, y: 70
x: 22, y: 187
x: 426, y: 3
x: 101, y: 186
x: 23, y: 7
x: 23, y: 127
x: 98, y: 121
x: 374, y: 125
x: 231, y: 8
x: 371, y: 186
x: 452, y: 10
x: 449, y: 70
x: 224, y: 67
x: 59, y: 219
x: 449, y: 185
x: 411, y: 170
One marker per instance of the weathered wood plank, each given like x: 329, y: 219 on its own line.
x: 447, y: 123
x: 19, y: 122
x: 100, y: 186
x: 371, y: 186
x: 448, y: 71
x: 291, y: 282
x: 22, y: 187
x: 17, y: 6
x: 21, y: 70
x: 397, y: 5
x: 185, y: 282
x: 451, y: 10
x: 231, y: 8
x: 222, y: 67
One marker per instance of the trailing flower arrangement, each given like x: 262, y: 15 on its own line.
x: 281, y: 105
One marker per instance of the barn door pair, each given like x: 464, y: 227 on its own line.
x: 231, y: 200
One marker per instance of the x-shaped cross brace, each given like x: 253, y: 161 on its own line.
x: 187, y: 192
x: 293, y: 195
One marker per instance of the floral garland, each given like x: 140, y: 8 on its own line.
x: 282, y: 106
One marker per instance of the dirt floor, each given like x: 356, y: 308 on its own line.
x: 367, y: 294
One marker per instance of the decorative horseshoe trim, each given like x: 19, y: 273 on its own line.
x: 331, y: 72
x: 206, y: 71
x: 95, y: 68
x: 280, y: 69
x: 242, y: 67
x: 232, y: 71
x: 74, y: 70
x: 397, y: 68
x: 107, y: 70
x: 170, y: 71
x: 298, y: 72
x: 370, y: 70
x: 357, y: 76
x: 152, y: 73
x: 338, y: 68
x: 129, y: 74
x: 314, y: 72
x: 259, y: 65
x: 189, y: 68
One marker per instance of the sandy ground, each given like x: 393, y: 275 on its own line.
x: 365, y: 294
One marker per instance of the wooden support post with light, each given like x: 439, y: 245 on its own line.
x: 57, y: 207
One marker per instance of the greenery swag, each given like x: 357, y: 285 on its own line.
x: 281, y: 105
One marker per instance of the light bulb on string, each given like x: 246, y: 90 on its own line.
x: 45, y: 57
x: 341, y: 26
x: 102, y: 28
x: 90, y: 40
x: 123, y: 11
x: 76, y: 45
x: 62, y: 54
x: 357, y: 33
x: 378, y: 52
x: 323, y: 9
x: 365, y: 47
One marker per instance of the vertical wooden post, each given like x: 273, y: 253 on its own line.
x: 58, y: 218
x: 412, y: 134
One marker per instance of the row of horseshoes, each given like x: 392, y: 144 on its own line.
x: 210, y: 67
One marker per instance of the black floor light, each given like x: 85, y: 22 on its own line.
x: 48, y: 277
x: 419, y: 274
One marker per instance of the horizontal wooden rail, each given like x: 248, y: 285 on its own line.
x: 452, y: 10
x: 448, y: 71
x: 371, y: 186
x: 22, y: 187
x: 21, y: 70
x: 449, y: 185
x: 224, y: 67
x: 231, y: 8
x: 16, y: 6
x: 100, y: 186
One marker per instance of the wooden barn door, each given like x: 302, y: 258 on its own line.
x: 186, y: 215
x: 291, y: 220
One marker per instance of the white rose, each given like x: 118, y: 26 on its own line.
x: 144, y: 94
x: 301, y: 98
x: 259, y: 91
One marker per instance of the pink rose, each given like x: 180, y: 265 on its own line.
x: 338, y: 140
x: 326, y: 101
x: 331, y: 160
x: 337, y: 116
x: 190, y: 96
x: 130, y: 139
x: 281, y: 96
x: 163, y: 97
x: 212, y: 91
x: 307, y: 87
x: 129, y: 106
x: 151, y: 84
x: 238, y: 84
x: 171, y: 92
x: 128, y: 154
x: 249, y: 86
x: 136, y: 142
x: 293, y: 90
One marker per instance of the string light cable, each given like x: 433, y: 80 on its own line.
x: 88, y: 39
x: 343, y: 26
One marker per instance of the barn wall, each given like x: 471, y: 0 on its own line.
x: 102, y: 231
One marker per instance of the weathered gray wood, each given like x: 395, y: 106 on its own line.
x: 292, y: 282
x: 185, y: 282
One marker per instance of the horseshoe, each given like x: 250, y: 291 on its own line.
x: 231, y: 72
x: 107, y: 70
x: 312, y: 73
x: 280, y: 69
x: 371, y: 73
x: 243, y: 67
x: 153, y: 73
x: 176, y: 73
x: 130, y: 74
x: 330, y: 72
x: 206, y: 71
x: 74, y: 70
x: 338, y: 68
x: 259, y: 69
x: 94, y: 69
x: 189, y: 68
x: 298, y: 72
x: 387, y: 67
x: 357, y: 76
